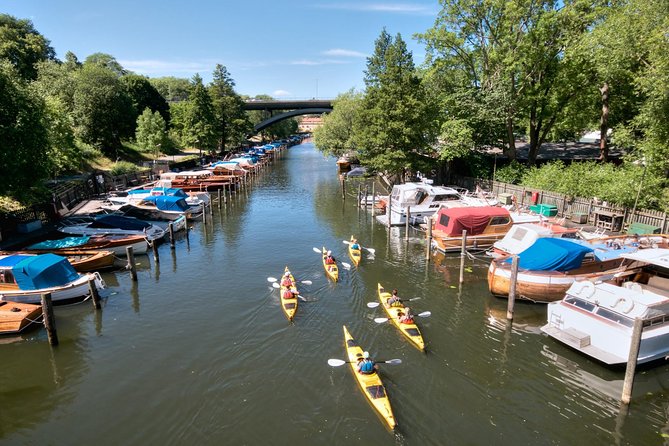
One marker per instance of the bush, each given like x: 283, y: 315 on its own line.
x: 511, y: 173
x: 123, y: 167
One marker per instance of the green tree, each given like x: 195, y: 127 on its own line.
x: 233, y: 124
x: 335, y: 137
x: 143, y: 94
x: 102, y: 110
x: 22, y: 132
x: 62, y: 153
x: 173, y: 89
x: 23, y: 46
x: 150, y: 133
x: 107, y: 61
x: 200, y: 121
x: 396, y: 122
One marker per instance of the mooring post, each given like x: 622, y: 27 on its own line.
x: 49, y: 319
x: 389, y: 211
x: 171, y: 229
x: 204, y: 216
x: 131, y: 263
x: 367, y: 196
x: 343, y: 187
x: 406, y: 226
x: 359, y: 194
x: 94, y: 293
x: 463, y: 253
x: 512, y: 287
x: 635, y: 343
x: 373, y: 198
x: 220, y: 202
x: 429, y: 240
x: 154, y: 248
x: 187, y: 229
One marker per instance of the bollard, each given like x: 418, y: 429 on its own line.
x: 635, y: 343
x: 171, y: 229
x: 49, y: 320
x: 406, y: 226
x: 429, y: 240
x: 463, y: 253
x: 512, y: 288
x: 94, y: 293
x: 131, y: 263
x: 154, y: 248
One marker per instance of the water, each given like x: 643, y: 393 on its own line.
x: 199, y: 351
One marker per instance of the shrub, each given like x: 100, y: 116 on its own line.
x: 123, y: 167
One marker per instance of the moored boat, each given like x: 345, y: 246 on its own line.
x: 111, y: 224
x: 16, y: 317
x: 289, y: 305
x: 354, y: 254
x: 371, y: 385
x: 331, y: 269
x: 522, y: 236
x: 82, y: 260
x: 411, y: 330
x: 117, y: 244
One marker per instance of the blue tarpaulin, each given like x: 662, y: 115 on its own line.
x: 67, y: 242
x: 552, y: 254
x: 169, y: 203
x: 43, y: 271
x: 175, y: 191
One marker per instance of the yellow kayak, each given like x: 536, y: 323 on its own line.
x: 331, y: 270
x: 370, y: 385
x: 411, y: 331
x: 289, y: 305
x: 354, y: 254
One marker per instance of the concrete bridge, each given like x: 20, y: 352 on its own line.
x: 290, y: 108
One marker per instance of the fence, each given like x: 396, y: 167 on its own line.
x: 597, y: 213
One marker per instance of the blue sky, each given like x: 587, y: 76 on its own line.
x: 291, y: 49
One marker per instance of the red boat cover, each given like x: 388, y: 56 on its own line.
x: 452, y: 221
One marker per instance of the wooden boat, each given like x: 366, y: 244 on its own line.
x: 117, y: 244
x: 551, y: 265
x: 332, y: 270
x: 411, y: 331
x: 354, y: 254
x: 289, y: 305
x: 82, y: 260
x: 522, y: 236
x: 23, y: 279
x: 111, y: 224
x: 16, y: 317
x: 371, y: 385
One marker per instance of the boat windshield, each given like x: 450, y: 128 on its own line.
x: 447, y: 197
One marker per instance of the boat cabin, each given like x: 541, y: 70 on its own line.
x: 475, y: 220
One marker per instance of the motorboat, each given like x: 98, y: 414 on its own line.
x: 422, y: 200
x: 68, y: 246
x: 522, y: 236
x: 597, y: 318
x: 24, y: 278
x: 160, y: 207
x: 83, y: 260
x: 195, y: 200
x: 111, y: 224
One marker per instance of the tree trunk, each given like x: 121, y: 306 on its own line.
x: 604, y: 124
x: 510, y: 151
x: 535, y: 131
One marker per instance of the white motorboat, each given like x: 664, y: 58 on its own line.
x: 195, y: 200
x: 423, y: 200
x: 597, y: 318
x: 111, y: 224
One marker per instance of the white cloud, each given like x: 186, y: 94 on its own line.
x: 401, y: 8
x: 339, y: 52
x: 150, y: 66
x: 306, y: 62
x: 281, y: 93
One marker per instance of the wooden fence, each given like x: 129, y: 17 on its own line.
x: 597, y: 213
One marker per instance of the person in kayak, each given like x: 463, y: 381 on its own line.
x: 354, y: 244
x: 329, y: 260
x: 365, y: 365
x: 394, y: 300
x: 406, y: 317
x: 285, y: 281
x: 289, y: 293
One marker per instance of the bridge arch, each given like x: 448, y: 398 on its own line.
x: 289, y: 114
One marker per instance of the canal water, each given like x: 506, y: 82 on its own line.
x: 198, y: 351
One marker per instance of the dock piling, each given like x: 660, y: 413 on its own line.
x: 463, y: 254
x: 406, y: 226
x: 49, y: 319
x: 512, y: 287
x: 428, y: 248
x: 635, y: 343
x: 131, y: 263
x: 94, y: 293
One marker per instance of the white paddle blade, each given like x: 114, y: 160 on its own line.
x: 414, y: 298
x: 272, y: 279
x: 394, y: 361
x: 372, y: 304
x: 380, y: 320
x: 371, y: 250
x: 317, y: 250
x: 346, y: 265
x: 425, y: 314
x: 276, y: 285
x: 346, y: 241
x: 335, y: 362
x: 307, y: 282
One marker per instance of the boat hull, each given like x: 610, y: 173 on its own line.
x: 410, y: 331
x: 289, y: 306
x: 370, y: 385
x: 16, y: 317
x: 354, y: 254
x: 332, y: 271
x: 71, y: 293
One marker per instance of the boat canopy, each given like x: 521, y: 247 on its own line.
x: 119, y: 222
x: 160, y: 190
x: 520, y: 237
x: 474, y: 220
x: 67, y: 242
x: 168, y: 202
x: 43, y: 271
x: 552, y: 254
x: 653, y: 256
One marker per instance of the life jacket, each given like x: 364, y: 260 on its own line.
x: 405, y: 320
x: 329, y: 260
x: 366, y: 367
x: 287, y: 294
x: 286, y: 282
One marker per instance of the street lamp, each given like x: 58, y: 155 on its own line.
x: 642, y: 161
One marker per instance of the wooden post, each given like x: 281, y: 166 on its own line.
x: 220, y: 202
x: 171, y: 229
x: 406, y: 226
x: 48, y: 318
x: 429, y: 240
x: 187, y: 229
x: 359, y: 194
x: 512, y: 288
x: 389, y: 211
x: 204, y: 216
x: 373, y: 199
x: 343, y: 187
x: 463, y: 253
x: 635, y: 343
x: 367, y: 196
x: 131, y: 263
x: 94, y: 293
x: 154, y: 248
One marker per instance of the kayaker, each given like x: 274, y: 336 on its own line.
x: 354, y: 244
x: 406, y: 317
x: 329, y: 260
x: 286, y: 282
x: 365, y: 365
x: 289, y: 293
x: 394, y: 300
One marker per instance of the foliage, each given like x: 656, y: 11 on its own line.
x: 62, y: 153
x: 335, y: 136
x: 22, y: 46
x: 123, y: 167
x: 143, y: 95
x: 106, y: 61
x: 150, y: 133
x: 23, y: 135
x: 511, y: 173
x: 173, y: 89
x: 199, y: 120
x: 9, y: 204
x: 233, y: 124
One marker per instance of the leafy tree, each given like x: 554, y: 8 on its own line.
x: 232, y: 122
x: 200, y: 121
x: 173, y: 89
x: 150, y: 133
x: 143, y: 94
x: 107, y: 61
x: 102, y: 110
x: 23, y: 46
x: 62, y: 152
x: 56, y: 80
x: 396, y: 122
x: 335, y: 136
x: 22, y: 133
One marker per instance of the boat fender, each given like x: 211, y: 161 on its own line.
x: 586, y: 290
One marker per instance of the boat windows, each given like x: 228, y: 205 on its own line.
x: 579, y: 303
x: 495, y: 221
x: 376, y: 391
x: 446, y: 197
x: 658, y: 320
x: 615, y: 317
x: 443, y: 220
